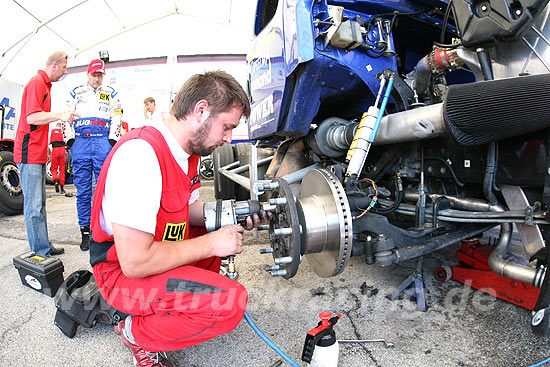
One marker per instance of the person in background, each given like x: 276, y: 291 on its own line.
x: 150, y: 112
x: 58, y: 159
x: 31, y: 150
x: 150, y: 253
x: 91, y: 137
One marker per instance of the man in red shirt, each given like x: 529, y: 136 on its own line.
x: 58, y: 159
x: 31, y: 150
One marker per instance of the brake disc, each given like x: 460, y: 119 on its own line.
x: 326, y: 222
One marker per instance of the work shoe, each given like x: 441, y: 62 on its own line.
x: 56, y: 183
x: 56, y: 250
x: 85, y: 244
x: 62, y: 190
x: 141, y: 357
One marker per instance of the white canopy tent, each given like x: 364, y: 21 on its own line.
x: 127, y: 29
x: 166, y: 41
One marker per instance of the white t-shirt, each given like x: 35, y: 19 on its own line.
x: 155, y: 118
x: 134, y: 184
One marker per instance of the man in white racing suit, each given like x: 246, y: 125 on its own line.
x: 91, y: 137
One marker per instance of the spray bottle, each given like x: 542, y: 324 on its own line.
x: 321, y: 347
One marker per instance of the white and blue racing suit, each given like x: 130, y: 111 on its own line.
x: 91, y: 138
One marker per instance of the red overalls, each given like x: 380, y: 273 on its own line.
x: 58, y: 156
x: 181, y: 307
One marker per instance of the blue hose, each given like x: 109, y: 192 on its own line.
x: 269, y: 342
x: 265, y: 338
x: 540, y: 363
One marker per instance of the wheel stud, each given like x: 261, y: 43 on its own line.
x: 277, y: 201
x: 283, y: 260
x: 278, y: 273
x: 282, y: 231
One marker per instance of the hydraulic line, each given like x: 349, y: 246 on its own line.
x: 231, y: 274
x: 451, y: 215
x: 398, y: 198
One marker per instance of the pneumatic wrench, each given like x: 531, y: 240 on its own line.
x: 220, y: 213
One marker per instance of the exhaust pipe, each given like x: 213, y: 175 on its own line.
x: 507, y: 268
x: 334, y: 135
x: 473, y: 114
x: 498, y: 265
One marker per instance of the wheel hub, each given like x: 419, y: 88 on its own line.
x: 284, y: 232
x: 317, y: 225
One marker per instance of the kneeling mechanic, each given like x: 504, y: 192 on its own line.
x: 150, y: 252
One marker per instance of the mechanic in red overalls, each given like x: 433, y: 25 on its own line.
x: 58, y: 159
x: 150, y: 255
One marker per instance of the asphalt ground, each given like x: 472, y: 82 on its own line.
x: 462, y: 327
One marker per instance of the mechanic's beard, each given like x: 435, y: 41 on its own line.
x: 198, y: 145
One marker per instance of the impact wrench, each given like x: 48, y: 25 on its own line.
x: 224, y: 212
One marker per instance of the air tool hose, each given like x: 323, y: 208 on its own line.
x: 231, y: 274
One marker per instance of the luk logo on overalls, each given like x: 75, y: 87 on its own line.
x: 174, y: 231
x: 104, y: 96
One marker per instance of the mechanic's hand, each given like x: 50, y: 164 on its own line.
x: 254, y: 221
x: 228, y: 240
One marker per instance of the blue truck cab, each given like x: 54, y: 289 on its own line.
x: 313, y: 58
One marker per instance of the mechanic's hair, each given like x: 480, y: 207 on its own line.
x: 149, y: 99
x: 55, y: 57
x: 218, y: 88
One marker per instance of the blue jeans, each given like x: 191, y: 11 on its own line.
x: 33, y: 183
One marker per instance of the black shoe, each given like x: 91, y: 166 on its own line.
x: 62, y: 190
x: 56, y: 250
x: 56, y: 183
x: 85, y: 244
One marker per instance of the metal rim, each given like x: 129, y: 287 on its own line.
x: 537, y: 319
x: 10, y: 179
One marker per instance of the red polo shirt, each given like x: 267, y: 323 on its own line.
x: 31, y: 141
